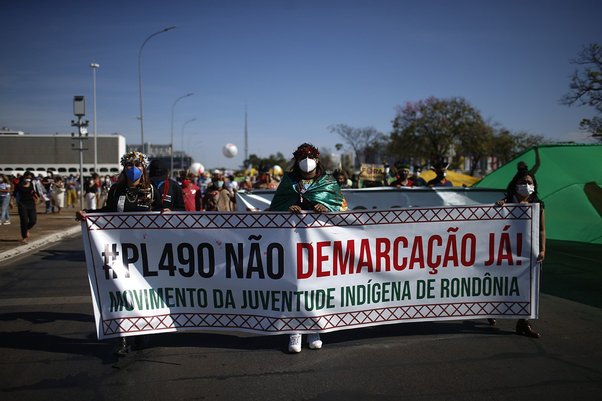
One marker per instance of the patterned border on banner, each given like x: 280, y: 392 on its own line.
x: 210, y: 220
x: 325, y: 322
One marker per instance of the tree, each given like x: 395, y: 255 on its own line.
x: 586, y: 87
x: 477, y: 143
x: 507, y: 145
x: 431, y: 128
x: 361, y: 141
x: 260, y: 163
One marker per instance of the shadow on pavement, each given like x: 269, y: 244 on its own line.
x: 573, y: 270
x: 67, y: 256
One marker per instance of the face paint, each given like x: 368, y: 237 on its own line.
x: 525, y: 189
x: 133, y: 173
x: 307, y: 165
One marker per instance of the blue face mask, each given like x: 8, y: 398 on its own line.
x: 133, y: 174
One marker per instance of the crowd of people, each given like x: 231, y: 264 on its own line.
x: 149, y: 186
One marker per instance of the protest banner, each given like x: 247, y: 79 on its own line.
x: 276, y: 273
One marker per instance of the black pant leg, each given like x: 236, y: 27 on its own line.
x: 23, y: 220
x: 33, y: 218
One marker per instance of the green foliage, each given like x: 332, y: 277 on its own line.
x: 451, y: 129
x: 260, y: 163
x: 431, y: 129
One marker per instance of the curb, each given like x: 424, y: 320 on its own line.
x: 32, y: 246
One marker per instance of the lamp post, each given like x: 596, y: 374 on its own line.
x: 140, y: 81
x: 94, y: 67
x: 172, y: 113
x: 79, y: 110
x: 183, y: 126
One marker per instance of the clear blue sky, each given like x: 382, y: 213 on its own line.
x: 299, y: 66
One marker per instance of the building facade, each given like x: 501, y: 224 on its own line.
x: 21, y: 152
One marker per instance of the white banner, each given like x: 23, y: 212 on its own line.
x: 275, y: 273
x: 387, y: 198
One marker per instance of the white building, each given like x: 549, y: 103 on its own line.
x: 21, y: 152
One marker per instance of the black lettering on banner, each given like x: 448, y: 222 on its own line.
x: 129, y: 254
x: 186, y: 257
x: 206, y: 263
x: 167, y: 262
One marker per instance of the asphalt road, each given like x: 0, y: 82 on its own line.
x: 49, y: 351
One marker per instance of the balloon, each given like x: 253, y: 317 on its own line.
x: 196, y: 168
x: 230, y: 150
x: 277, y: 170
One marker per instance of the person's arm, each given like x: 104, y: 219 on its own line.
x: 178, y: 199
x: 537, y: 161
x: 542, y: 237
x: 198, y: 201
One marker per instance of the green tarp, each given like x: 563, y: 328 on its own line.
x: 569, y: 181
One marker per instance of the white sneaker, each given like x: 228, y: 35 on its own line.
x: 314, y: 341
x: 294, y: 343
x: 6, y: 222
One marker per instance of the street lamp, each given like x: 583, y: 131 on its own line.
x: 182, y: 155
x: 140, y: 81
x: 94, y: 67
x: 172, y: 112
x: 79, y: 110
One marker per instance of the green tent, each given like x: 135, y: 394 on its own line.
x: 569, y: 179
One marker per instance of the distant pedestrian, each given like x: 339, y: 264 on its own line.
x: 92, y: 191
x: 170, y: 190
x: 440, y: 179
x: 5, y: 199
x: 58, y: 193
x: 218, y: 197
x: 192, y: 196
x: 27, y: 196
x: 71, y: 185
x: 402, y: 176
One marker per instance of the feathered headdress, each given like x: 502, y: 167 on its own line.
x: 135, y: 157
x: 306, y: 150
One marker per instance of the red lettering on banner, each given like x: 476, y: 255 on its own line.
x: 365, y: 259
x: 451, y: 253
x: 383, y: 254
x: 321, y: 257
x: 433, y: 264
x: 310, y: 258
x: 345, y: 262
x: 397, y: 263
x: 334, y: 258
x: 417, y: 256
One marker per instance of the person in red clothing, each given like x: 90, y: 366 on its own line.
x: 192, y: 196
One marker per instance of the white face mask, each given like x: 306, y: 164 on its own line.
x: 308, y: 165
x: 525, y: 189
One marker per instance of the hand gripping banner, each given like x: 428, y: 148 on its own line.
x: 276, y: 273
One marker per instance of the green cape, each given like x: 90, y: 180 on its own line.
x: 324, y: 190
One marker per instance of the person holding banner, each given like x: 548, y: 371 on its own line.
x: 523, y: 189
x: 133, y: 192
x: 307, y: 187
